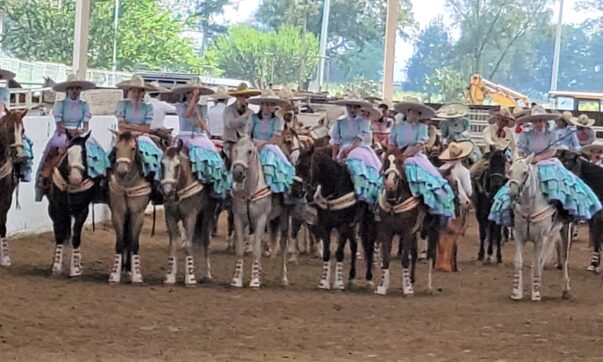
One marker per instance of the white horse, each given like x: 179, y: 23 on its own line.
x: 535, y: 220
x: 254, y: 205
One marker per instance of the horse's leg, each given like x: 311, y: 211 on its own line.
x: 294, y: 249
x: 566, y: 241
x: 385, y: 237
x: 540, y: 247
x: 190, y: 221
x: 259, y: 227
x: 325, y: 278
x: 491, y: 235
x: 517, y: 293
x: 345, y: 234
x: 595, y: 232
x: 231, y: 237
x: 174, y: 235
x: 405, y: 245
x: 4, y: 250
x: 483, y: 233
x: 432, y: 247
x: 136, y: 222
x: 118, y: 218
x: 367, y: 234
x: 239, y: 233
x: 203, y: 225
x: 61, y: 227
x: 75, y: 269
x: 283, y: 225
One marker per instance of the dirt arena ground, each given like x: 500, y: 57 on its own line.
x: 469, y: 317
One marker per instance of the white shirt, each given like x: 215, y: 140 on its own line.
x: 462, y: 176
x: 160, y: 109
x: 215, y: 121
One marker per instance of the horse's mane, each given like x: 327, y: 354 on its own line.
x: 324, y: 168
x: 126, y: 136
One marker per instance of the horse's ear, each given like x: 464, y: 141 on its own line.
x: 114, y: 131
x: 86, y: 135
x: 530, y: 158
x: 22, y: 113
x: 179, y: 145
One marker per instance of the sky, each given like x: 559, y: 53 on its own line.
x: 424, y: 11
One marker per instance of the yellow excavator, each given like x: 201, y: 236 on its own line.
x: 481, y: 89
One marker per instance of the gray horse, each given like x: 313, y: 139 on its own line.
x: 254, y: 205
x: 535, y: 220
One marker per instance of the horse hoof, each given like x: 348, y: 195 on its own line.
x: 170, y: 279
x: 381, y: 290
x: 591, y: 268
x: 324, y: 285
x: 558, y: 266
x: 339, y: 285
x: 206, y: 280
x: 75, y: 273
x: 488, y: 260
x: 114, y: 278
x: 536, y: 297
x: 255, y: 283
x: 293, y: 259
x: 236, y: 283
x: 136, y: 279
x: 408, y: 293
x: 5, y: 261
x: 566, y: 294
x: 190, y: 283
x: 516, y: 296
x: 284, y: 283
x: 57, y: 269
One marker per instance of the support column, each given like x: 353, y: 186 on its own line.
x: 390, y: 49
x: 557, y: 52
x: 323, y: 43
x: 80, y: 41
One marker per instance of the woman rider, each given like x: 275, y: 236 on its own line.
x: 193, y: 132
x: 72, y: 116
x: 425, y: 181
x: 558, y: 185
x: 135, y: 115
x: 265, y: 128
x: 566, y: 136
x: 584, y: 131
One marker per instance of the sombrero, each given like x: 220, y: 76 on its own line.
x: 193, y: 83
x: 432, y: 132
x: 73, y: 81
x: 374, y: 112
x: 452, y: 111
x: 135, y: 82
x: 158, y: 88
x: 373, y: 99
x: 457, y: 151
x: 220, y: 95
x: 352, y: 100
x: 288, y: 95
x: 268, y: 96
x: 243, y: 90
x: 503, y: 113
x: 426, y: 111
x: 519, y: 112
x: 582, y: 121
x: 598, y: 144
x: 7, y: 74
x: 538, y: 113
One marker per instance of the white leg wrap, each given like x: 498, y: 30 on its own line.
x: 189, y: 276
x: 407, y: 288
x: 517, y: 293
x: 57, y: 260
x: 255, y: 275
x: 75, y: 269
x: 170, y: 277
x: 115, y: 275
x: 384, y: 283
x: 325, y: 278
x: 136, y: 277
x: 4, y: 253
x: 237, y: 276
x: 339, y: 284
x: 536, y: 287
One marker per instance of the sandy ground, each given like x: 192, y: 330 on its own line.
x: 469, y: 316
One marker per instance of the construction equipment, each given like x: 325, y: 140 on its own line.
x: 480, y: 89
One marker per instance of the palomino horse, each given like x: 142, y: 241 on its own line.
x: 535, y: 220
x: 592, y: 175
x: 188, y: 201
x: 12, y: 156
x: 401, y: 215
x: 485, y: 188
x: 71, y: 192
x: 129, y: 195
x: 254, y: 205
x: 335, y: 198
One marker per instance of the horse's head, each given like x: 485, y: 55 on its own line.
x: 171, y: 168
x: 75, y: 165
x: 393, y: 170
x: 291, y: 144
x: 497, y: 163
x: 244, y: 154
x: 126, y: 152
x: 521, y: 170
x: 571, y: 160
x: 11, y: 124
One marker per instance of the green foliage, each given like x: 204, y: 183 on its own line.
x: 445, y: 85
x: 277, y: 57
x: 361, y: 86
x: 148, y: 36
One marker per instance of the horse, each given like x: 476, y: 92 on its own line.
x: 485, y: 187
x: 12, y: 156
x: 592, y: 175
x: 535, y: 220
x: 333, y: 193
x: 401, y: 214
x: 70, y: 193
x: 254, y: 205
x: 188, y: 201
x: 129, y: 195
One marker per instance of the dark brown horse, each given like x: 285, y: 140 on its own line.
x: 12, y: 158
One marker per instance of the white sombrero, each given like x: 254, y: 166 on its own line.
x: 452, y: 111
x: 71, y: 82
x: 503, y: 113
x: 598, y: 144
x: 426, y: 111
x: 243, y: 90
x: 158, y: 88
x: 352, y: 100
x: 582, y: 121
x: 374, y: 112
x: 538, y: 113
x: 7, y: 74
x: 221, y: 94
x: 137, y: 81
x: 457, y: 151
x: 288, y: 95
x: 193, y: 83
x: 268, y: 96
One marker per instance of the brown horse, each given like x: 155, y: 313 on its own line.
x: 129, y: 195
x: 188, y: 201
x: 12, y: 156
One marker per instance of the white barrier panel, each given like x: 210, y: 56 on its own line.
x: 33, y: 217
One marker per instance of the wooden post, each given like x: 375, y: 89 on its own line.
x: 80, y: 43
x: 390, y: 49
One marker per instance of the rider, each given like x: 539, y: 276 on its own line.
x: 558, y: 185
x: 381, y: 125
x: 351, y: 139
x: 453, y: 158
x: 584, y: 131
x: 135, y: 115
x: 410, y: 135
x: 236, y: 116
x: 265, y: 128
x: 456, y: 126
x: 215, y: 114
x: 205, y: 159
x: 72, y: 116
x: 594, y: 152
x: 566, y: 136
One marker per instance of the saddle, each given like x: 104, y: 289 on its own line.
x: 53, y: 159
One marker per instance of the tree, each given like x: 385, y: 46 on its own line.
x: 148, y: 36
x: 365, y: 63
x: 445, y: 85
x: 265, y: 57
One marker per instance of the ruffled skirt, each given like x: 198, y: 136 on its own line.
x: 425, y: 181
x: 364, y: 166
x: 151, y: 156
x: 278, y: 171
